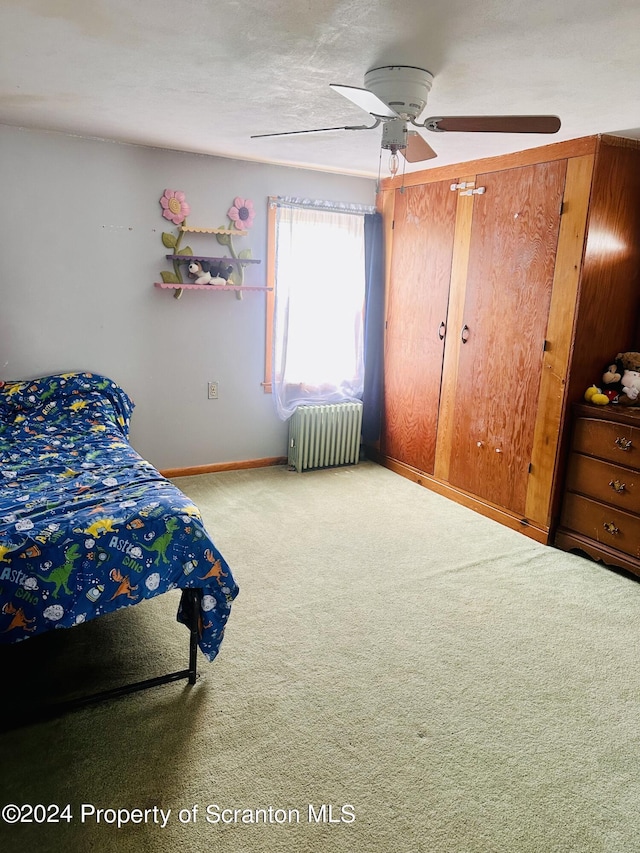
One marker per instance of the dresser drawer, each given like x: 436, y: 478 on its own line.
x: 602, y: 523
x: 611, y: 484
x: 617, y: 442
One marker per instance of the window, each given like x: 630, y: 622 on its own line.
x: 315, y: 316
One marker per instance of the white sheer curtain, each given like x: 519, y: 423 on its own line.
x: 319, y: 301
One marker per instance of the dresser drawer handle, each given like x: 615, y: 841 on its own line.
x: 617, y: 486
x: 623, y: 443
x: 610, y: 527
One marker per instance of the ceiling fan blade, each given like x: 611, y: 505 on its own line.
x: 495, y: 124
x: 365, y: 99
x: 316, y: 130
x: 417, y: 149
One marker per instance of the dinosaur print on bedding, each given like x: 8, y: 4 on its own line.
x: 86, y: 524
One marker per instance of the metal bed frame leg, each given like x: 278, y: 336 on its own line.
x: 191, y: 596
x: 57, y: 709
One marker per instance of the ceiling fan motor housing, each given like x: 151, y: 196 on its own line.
x: 404, y: 88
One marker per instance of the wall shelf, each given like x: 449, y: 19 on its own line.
x: 213, y: 267
x: 209, y: 258
x: 232, y: 231
x: 210, y: 287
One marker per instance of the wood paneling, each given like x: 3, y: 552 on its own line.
x: 548, y: 298
x: 610, y: 284
x: 423, y: 233
x: 547, y: 444
x: 545, y: 153
x: 464, y: 217
x: 511, y: 264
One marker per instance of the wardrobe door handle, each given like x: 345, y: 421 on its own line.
x: 442, y: 330
x: 464, y: 334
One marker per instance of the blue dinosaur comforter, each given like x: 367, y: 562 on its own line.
x: 86, y: 524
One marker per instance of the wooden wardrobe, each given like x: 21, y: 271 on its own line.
x: 511, y: 282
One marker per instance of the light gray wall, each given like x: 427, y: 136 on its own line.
x: 80, y: 248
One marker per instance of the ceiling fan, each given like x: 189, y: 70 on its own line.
x: 396, y: 95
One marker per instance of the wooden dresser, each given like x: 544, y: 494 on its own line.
x: 601, y: 504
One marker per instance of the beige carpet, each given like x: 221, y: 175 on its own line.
x: 456, y: 687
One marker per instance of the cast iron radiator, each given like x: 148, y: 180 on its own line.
x: 325, y: 436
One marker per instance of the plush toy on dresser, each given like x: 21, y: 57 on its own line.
x: 611, y: 385
x: 620, y: 382
x: 630, y: 381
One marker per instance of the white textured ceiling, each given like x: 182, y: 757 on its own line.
x: 203, y: 75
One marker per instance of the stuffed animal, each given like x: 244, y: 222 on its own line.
x: 223, y: 272
x: 620, y: 382
x: 613, y: 373
x: 205, y: 272
x: 630, y: 394
x: 630, y: 379
x: 629, y: 360
x: 611, y: 384
x: 200, y: 271
x: 594, y: 395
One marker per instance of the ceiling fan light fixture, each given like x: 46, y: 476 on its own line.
x: 394, y: 135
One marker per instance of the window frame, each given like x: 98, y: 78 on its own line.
x: 272, y: 209
x: 271, y: 293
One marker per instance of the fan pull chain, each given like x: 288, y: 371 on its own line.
x: 404, y: 169
x: 379, y: 172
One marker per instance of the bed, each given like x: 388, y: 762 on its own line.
x: 87, y: 526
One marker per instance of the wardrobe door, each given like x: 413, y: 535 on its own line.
x: 423, y: 232
x: 514, y: 235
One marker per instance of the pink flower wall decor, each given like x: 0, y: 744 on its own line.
x: 241, y: 213
x: 174, y: 206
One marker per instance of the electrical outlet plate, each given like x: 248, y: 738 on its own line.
x: 213, y: 390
